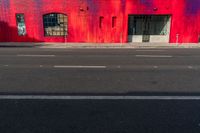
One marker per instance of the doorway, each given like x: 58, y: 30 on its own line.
x: 148, y: 28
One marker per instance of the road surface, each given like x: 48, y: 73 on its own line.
x: 99, y: 71
x: 108, y: 116
x: 99, y: 90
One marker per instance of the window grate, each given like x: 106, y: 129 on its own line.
x: 55, y: 24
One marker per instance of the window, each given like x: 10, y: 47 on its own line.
x: 101, y: 22
x: 55, y: 24
x: 114, y: 22
x: 21, y: 27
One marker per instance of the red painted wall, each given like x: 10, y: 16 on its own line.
x: 83, y: 19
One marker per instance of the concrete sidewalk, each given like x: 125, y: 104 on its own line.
x: 100, y: 45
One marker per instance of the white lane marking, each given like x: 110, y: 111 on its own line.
x: 155, y: 56
x: 155, y: 67
x: 190, y: 67
x: 23, y: 55
x: 150, y: 50
x: 80, y: 67
x: 45, y: 97
x: 119, y: 67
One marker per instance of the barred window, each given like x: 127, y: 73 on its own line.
x: 55, y: 24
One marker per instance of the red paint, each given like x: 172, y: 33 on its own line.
x: 84, y: 17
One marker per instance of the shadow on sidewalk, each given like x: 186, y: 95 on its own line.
x: 9, y: 37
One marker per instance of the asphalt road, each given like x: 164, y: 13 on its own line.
x: 138, y: 90
x: 99, y: 116
x: 99, y: 71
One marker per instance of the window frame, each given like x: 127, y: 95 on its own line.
x: 63, y: 30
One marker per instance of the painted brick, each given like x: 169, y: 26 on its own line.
x: 83, y: 16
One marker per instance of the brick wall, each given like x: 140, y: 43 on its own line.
x: 84, y: 17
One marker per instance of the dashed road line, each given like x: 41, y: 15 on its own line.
x: 23, y: 55
x: 190, y: 67
x: 155, y: 67
x: 155, y: 56
x: 121, y: 67
x: 100, y: 67
x: 150, y: 50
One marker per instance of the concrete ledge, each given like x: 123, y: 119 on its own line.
x: 119, y: 45
x: 100, y: 45
x: 19, y: 44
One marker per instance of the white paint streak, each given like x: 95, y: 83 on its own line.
x: 36, y: 55
x: 155, y: 56
x: 155, y: 67
x: 150, y: 50
x: 190, y: 67
x: 79, y: 66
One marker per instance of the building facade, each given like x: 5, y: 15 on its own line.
x: 100, y: 21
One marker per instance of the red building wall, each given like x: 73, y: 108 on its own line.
x: 83, y: 19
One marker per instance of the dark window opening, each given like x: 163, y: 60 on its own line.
x: 55, y: 24
x: 101, y: 22
x: 114, y: 22
x: 21, y: 27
